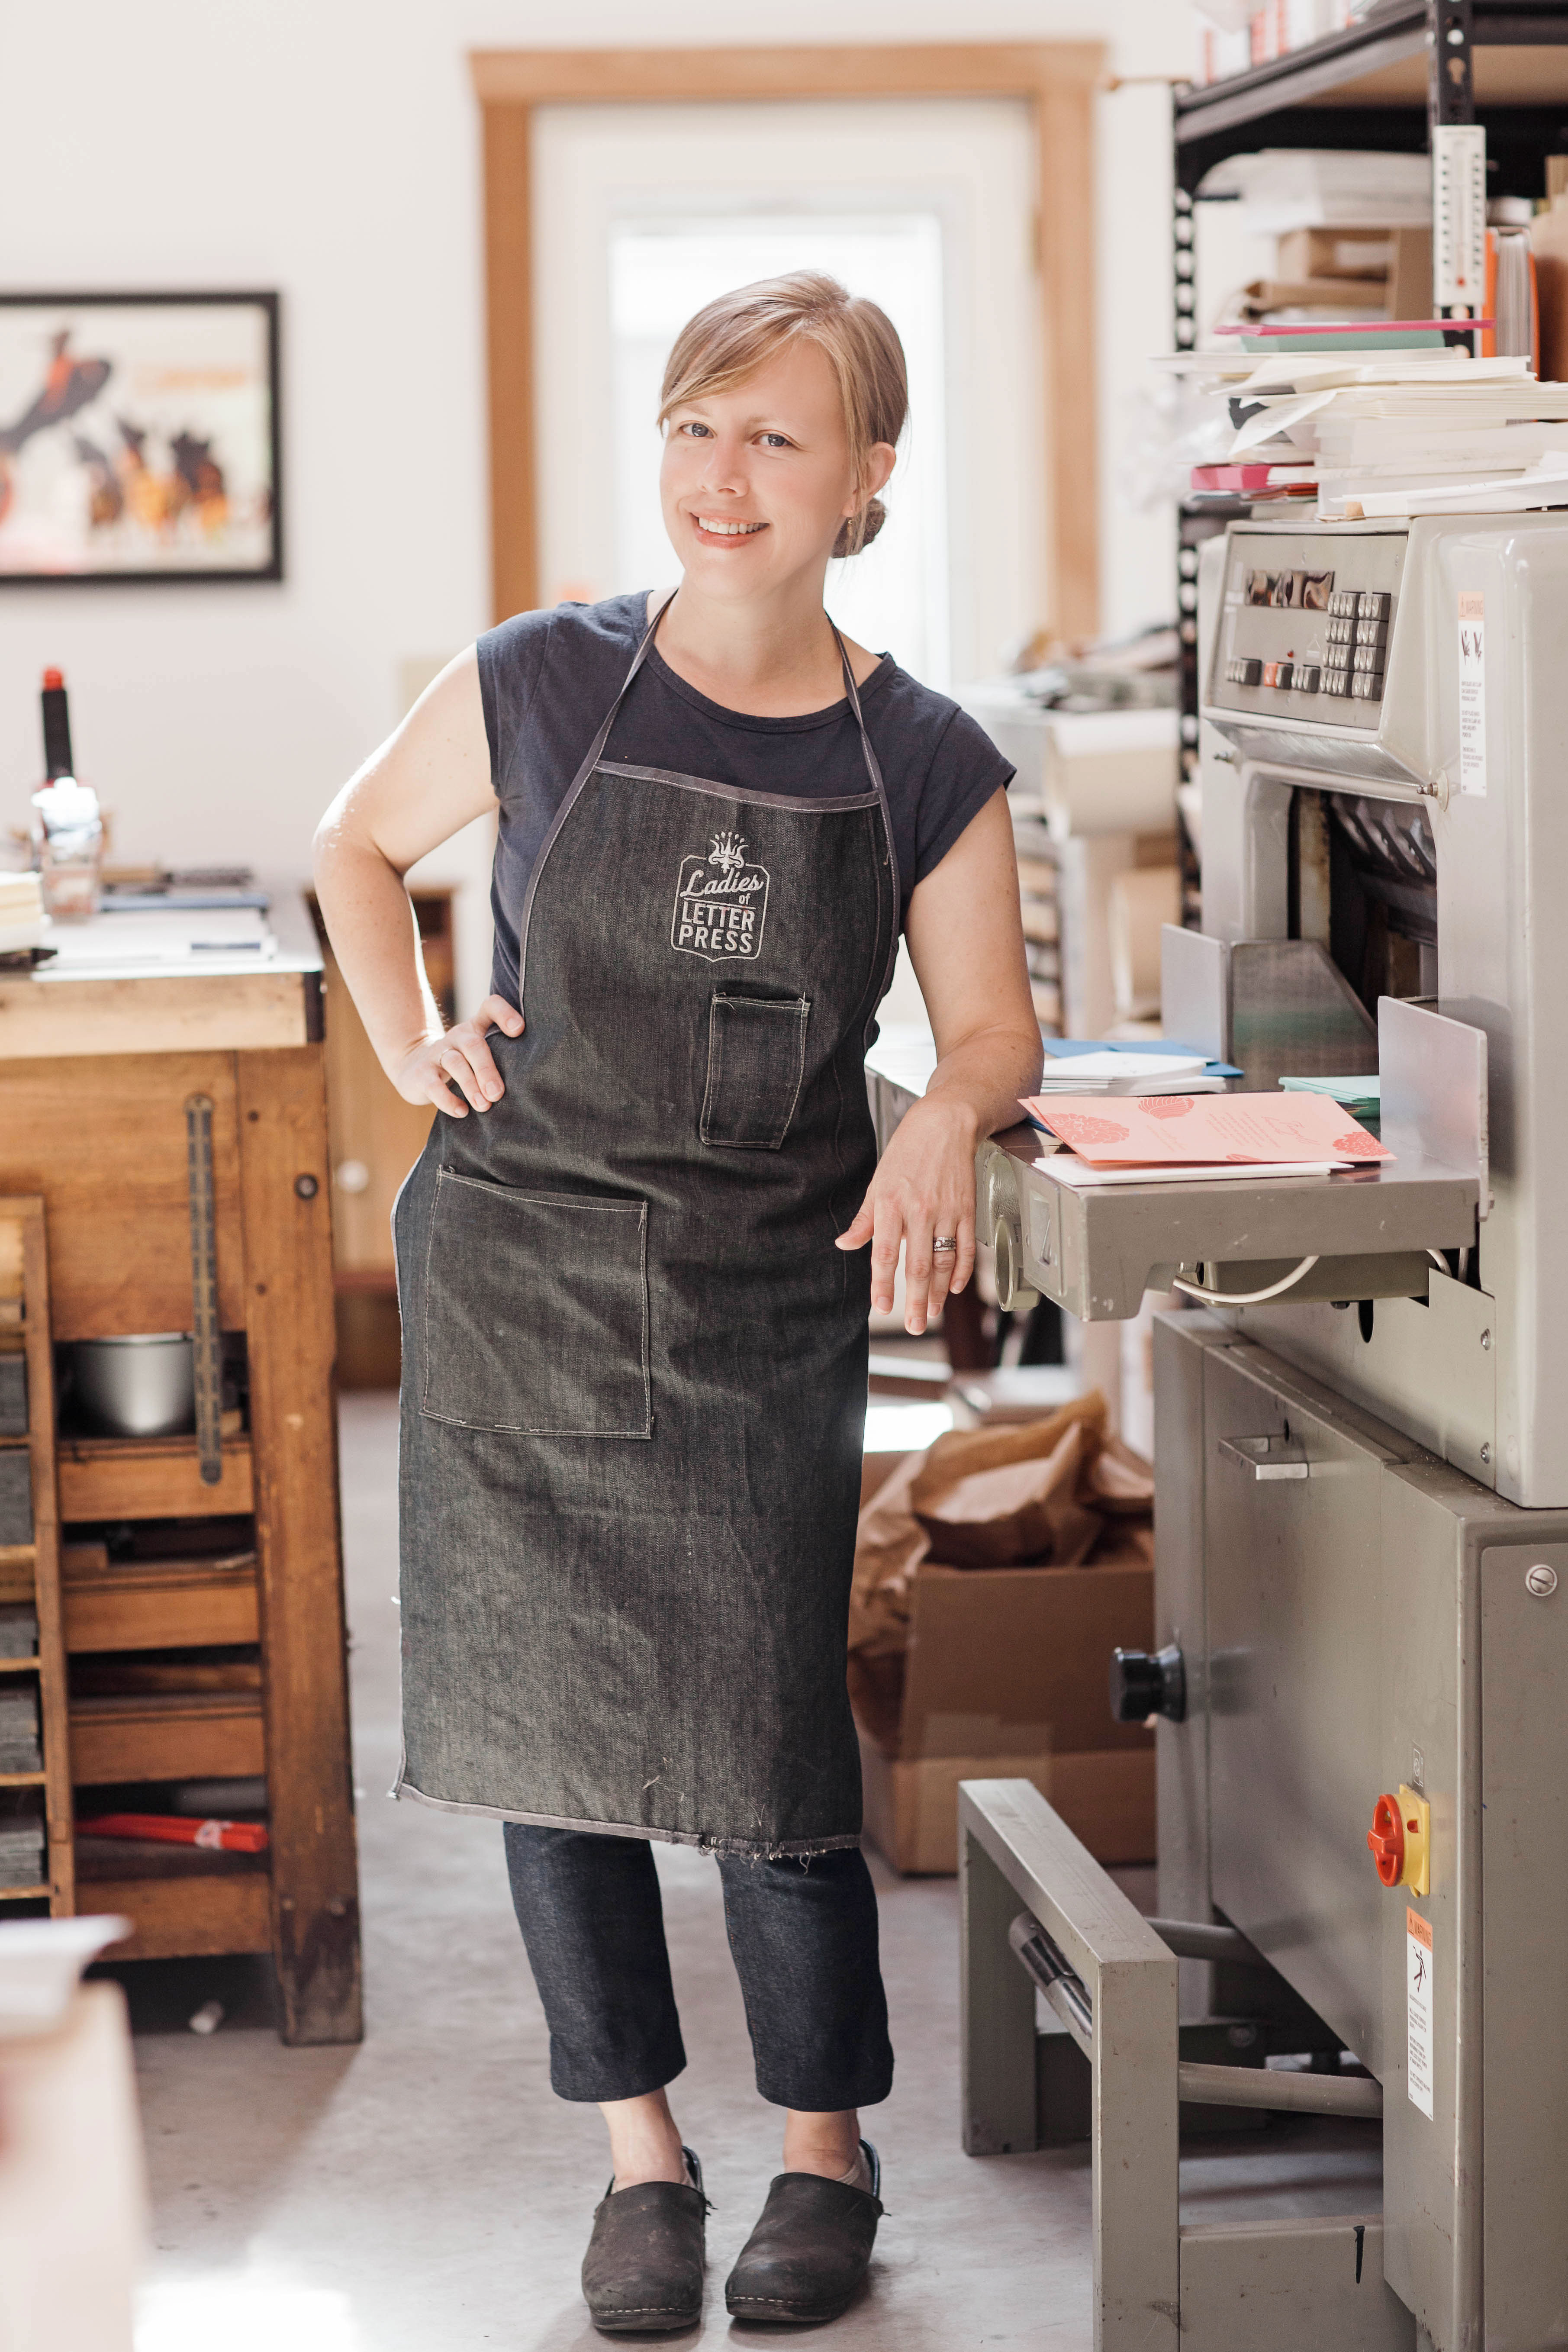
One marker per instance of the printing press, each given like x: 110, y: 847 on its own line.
x: 1360, y: 1677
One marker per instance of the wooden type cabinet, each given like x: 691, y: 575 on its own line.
x: 241, y: 1577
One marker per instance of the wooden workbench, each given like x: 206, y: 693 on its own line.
x: 96, y: 1066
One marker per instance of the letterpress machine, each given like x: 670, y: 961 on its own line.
x: 1360, y: 1679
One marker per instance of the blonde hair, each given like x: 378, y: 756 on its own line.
x: 731, y: 337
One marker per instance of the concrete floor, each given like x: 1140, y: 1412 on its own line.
x: 426, y: 2191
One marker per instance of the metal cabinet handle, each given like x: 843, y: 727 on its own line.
x: 1267, y: 1457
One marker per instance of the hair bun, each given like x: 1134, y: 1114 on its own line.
x: 860, y: 530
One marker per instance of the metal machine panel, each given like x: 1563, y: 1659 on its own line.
x: 1524, y: 1767
x: 1429, y: 1738
x: 1294, y: 1578
x: 1430, y: 1369
x: 1182, y: 1757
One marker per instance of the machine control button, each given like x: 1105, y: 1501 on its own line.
x: 1372, y: 632
x: 1246, y: 672
x: 1400, y: 1840
x: 1336, y: 681
x: 1367, y: 657
x: 1373, y: 604
x: 1277, y: 673
x: 1141, y: 1685
x: 1368, y: 683
x: 1308, y: 678
x: 1342, y: 604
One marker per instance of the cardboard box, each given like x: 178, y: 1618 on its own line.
x: 1106, y: 1797
x: 1005, y: 1676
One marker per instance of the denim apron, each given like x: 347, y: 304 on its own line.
x: 634, y: 1363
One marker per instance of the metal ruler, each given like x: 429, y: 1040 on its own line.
x: 208, y: 1339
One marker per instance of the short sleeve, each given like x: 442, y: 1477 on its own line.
x: 510, y: 659
x: 966, y: 769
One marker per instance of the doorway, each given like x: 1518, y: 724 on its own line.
x: 642, y: 214
x: 963, y: 170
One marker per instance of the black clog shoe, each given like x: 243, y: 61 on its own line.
x: 808, y: 2254
x: 642, y: 2273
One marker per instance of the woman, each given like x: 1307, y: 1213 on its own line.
x: 633, y: 1263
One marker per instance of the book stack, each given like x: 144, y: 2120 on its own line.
x: 1235, y: 34
x: 19, y: 1730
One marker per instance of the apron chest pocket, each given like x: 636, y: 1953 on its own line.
x: 756, y: 1061
x: 536, y: 1312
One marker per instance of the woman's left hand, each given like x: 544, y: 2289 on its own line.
x: 923, y: 1187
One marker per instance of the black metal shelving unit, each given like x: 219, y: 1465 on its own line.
x: 1384, y: 84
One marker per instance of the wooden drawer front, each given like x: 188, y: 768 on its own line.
x: 104, y: 1141
x: 149, y: 1478
x: 178, y: 1917
x: 215, y: 1736
x: 161, y: 1609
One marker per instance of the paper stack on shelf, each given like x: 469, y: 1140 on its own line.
x: 19, y: 1729
x: 22, y: 1847
x: 1396, y: 434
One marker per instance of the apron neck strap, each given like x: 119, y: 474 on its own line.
x: 595, y: 749
x: 853, y: 692
x: 645, y: 648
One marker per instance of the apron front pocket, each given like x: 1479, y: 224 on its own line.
x: 536, y: 1312
x: 756, y: 1061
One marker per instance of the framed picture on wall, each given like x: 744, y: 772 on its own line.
x: 139, y: 438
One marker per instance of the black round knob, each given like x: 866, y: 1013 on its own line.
x: 307, y: 1187
x: 1141, y: 1685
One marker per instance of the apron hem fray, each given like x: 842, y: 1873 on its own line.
x: 761, y: 1849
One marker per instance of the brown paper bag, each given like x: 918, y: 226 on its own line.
x: 891, y: 1540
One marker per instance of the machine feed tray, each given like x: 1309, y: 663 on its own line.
x: 1097, y: 1252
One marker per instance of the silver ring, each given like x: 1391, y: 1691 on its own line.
x: 943, y: 1243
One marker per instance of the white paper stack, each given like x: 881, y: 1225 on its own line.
x: 1403, y: 433
x: 1285, y: 188
x: 23, y: 923
x: 1128, y: 1073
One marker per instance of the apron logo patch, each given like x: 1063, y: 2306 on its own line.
x: 721, y: 904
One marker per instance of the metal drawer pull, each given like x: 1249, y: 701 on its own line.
x: 1269, y: 1457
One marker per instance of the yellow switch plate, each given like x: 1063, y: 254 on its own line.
x: 1416, y: 1815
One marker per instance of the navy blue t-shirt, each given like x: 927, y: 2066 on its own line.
x: 548, y: 678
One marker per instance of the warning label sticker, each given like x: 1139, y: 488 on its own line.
x: 1472, y: 691
x: 1419, y: 1989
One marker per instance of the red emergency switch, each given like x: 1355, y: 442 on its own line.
x: 1386, y: 1839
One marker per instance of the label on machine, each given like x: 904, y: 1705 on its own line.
x: 1418, y: 1983
x: 1472, y: 691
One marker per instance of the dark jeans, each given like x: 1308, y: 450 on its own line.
x: 803, y: 1934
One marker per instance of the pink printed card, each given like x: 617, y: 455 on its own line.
x: 1166, y: 1130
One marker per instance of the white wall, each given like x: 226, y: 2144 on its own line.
x: 330, y: 148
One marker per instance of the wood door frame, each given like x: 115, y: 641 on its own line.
x: 1057, y: 80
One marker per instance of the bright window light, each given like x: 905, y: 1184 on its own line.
x: 905, y: 1428
x: 893, y: 596
x: 244, y: 2315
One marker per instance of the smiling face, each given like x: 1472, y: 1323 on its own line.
x: 757, y: 480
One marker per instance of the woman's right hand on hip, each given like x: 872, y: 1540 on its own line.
x: 460, y: 1059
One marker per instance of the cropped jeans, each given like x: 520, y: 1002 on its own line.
x: 803, y: 1934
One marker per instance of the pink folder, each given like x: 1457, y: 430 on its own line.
x: 1168, y: 1131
